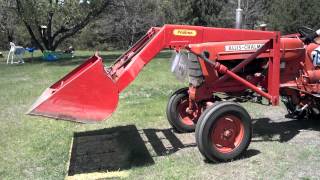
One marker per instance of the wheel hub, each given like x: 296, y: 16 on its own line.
x: 227, y: 133
x: 188, y: 116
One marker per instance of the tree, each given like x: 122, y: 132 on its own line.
x: 50, y: 22
x: 200, y: 12
x: 8, y: 19
x: 129, y: 21
x: 288, y: 15
x: 254, y: 12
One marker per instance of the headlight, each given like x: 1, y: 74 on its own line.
x: 179, y: 66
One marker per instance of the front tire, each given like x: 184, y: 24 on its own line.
x: 177, y: 116
x: 223, y: 131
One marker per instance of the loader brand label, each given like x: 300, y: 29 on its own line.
x: 243, y: 47
x: 184, y: 32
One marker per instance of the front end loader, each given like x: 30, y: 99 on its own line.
x: 246, y: 64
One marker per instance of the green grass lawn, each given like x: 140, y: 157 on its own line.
x: 38, y: 148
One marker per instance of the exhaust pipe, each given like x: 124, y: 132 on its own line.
x: 238, y: 16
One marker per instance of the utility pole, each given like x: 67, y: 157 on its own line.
x: 238, y: 15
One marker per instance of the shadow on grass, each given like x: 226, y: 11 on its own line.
x: 120, y: 148
x: 174, y: 143
x: 286, y: 130
x: 112, y: 149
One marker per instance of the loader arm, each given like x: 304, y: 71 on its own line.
x: 90, y: 92
x: 127, y: 67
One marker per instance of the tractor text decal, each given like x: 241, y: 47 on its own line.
x: 243, y: 47
x: 184, y: 32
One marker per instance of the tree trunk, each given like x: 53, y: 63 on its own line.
x: 10, y: 35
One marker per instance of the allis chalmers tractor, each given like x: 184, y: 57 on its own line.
x: 260, y: 65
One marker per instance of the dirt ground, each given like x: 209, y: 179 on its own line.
x: 282, y: 148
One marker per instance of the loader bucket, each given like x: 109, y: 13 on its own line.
x: 86, y: 94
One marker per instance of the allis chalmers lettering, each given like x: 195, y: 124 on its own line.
x: 243, y: 47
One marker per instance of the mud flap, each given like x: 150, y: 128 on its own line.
x: 87, y: 94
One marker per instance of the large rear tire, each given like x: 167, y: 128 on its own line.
x: 223, y: 131
x: 177, y: 116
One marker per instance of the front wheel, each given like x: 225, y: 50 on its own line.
x: 223, y: 131
x: 177, y: 114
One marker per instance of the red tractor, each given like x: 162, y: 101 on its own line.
x: 238, y: 63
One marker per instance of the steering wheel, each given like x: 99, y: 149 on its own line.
x: 304, y: 31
